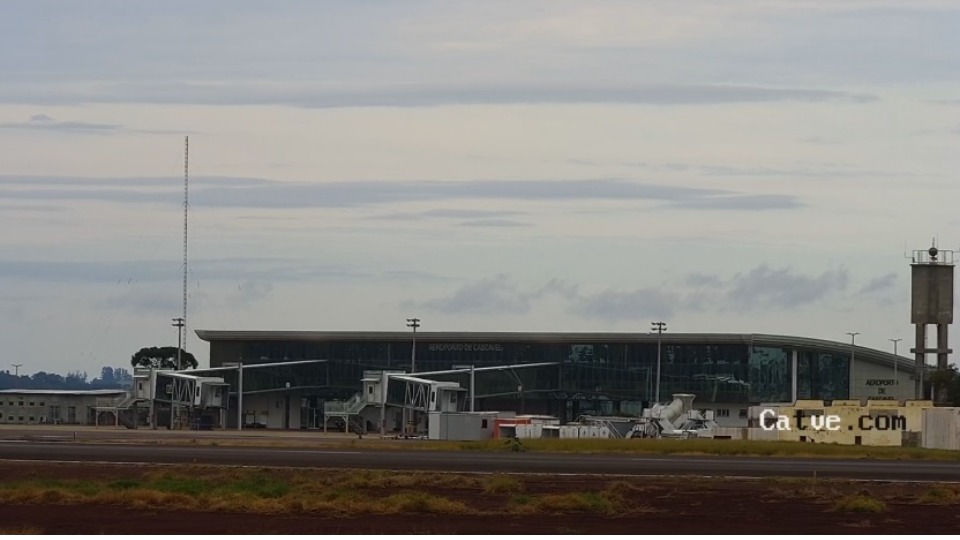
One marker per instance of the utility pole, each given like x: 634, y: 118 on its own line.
x: 659, y: 328
x: 896, y: 360
x: 16, y: 369
x: 179, y: 322
x: 853, y: 352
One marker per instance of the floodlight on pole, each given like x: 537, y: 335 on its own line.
x: 179, y: 323
x: 659, y: 328
x: 413, y: 323
x: 896, y: 360
x: 16, y: 369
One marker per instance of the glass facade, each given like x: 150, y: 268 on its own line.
x: 823, y: 376
x: 589, y: 377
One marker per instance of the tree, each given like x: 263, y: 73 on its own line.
x: 162, y: 358
x: 76, y: 380
x: 122, y: 376
x: 946, y: 385
x: 106, y: 375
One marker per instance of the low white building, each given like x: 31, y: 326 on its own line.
x: 23, y: 406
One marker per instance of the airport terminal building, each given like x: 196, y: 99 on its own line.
x: 576, y: 374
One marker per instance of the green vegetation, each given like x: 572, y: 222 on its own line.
x: 502, y: 484
x: 861, y: 502
x: 939, y: 495
x: 338, y: 493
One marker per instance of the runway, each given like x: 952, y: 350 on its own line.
x: 504, y: 462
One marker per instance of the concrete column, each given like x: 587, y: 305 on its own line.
x: 943, y: 345
x: 921, y: 343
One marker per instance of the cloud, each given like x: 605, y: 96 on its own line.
x: 255, y: 193
x: 760, y: 289
x: 776, y: 288
x: 305, y: 95
x: 46, y: 123
x: 800, y: 170
x: 491, y: 296
x: 494, y: 223
x: 488, y: 296
x: 139, y: 182
x: 948, y: 102
x: 450, y: 213
x: 699, y: 280
x: 830, y: 171
x: 818, y: 139
x: 241, y: 270
x: 637, y: 304
x: 743, y: 202
x: 45, y: 208
x: 880, y: 284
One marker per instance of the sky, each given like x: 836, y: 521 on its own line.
x: 753, y: 166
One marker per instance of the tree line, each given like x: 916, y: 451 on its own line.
x: 110, y: 377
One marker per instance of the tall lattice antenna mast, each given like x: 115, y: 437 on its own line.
x: 186, y: 205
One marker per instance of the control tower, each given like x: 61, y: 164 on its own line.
x: 931, y: 294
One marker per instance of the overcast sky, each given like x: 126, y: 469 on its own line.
x: 738, y: 166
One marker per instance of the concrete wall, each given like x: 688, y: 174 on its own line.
x: 48, y: 408
x: 875, y: 423
x: 941, y: 428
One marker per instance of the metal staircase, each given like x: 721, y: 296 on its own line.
x: 348, y: 410
x: 121, y: 408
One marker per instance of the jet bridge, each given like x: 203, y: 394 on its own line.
x: 422, y: 394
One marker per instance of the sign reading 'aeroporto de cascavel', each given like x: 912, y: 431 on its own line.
x: 880, y: 386
x: 478, y: 347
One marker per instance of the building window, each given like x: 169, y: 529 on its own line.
x: 41, y: 404
x: 31, y: 404
x: 723, y: 413
x: 31, y: 419
x: 743, y: 413
x: 483, y: 424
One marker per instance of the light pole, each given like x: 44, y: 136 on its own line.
x: 896, y: 360
x: 658, y: 327
x: 16, y: 369
x: 413, y: 323
x: 178, y: 322
x: 853, y: 339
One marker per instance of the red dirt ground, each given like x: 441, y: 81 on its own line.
x: 680, y: 505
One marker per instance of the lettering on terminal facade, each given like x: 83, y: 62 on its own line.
x: 465, y: 347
